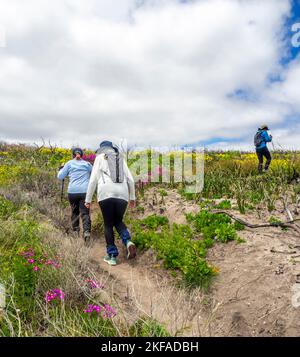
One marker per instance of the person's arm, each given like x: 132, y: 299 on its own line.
x: 267, y: 137
x: 130, y: 182
x: 90, y: 167
x: 64, y: 172
x: 93, y: 181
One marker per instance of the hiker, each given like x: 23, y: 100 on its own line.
x: 115, y: 187
x: 79, y: 172
x: 260, y: 141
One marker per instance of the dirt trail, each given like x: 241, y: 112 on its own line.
x: 130, y: 278
x: 148, y: 293
x: 251, y: 296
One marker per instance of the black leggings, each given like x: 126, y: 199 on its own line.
x: 78, y: 209
x: 113, y: 210
x: 261, y: 153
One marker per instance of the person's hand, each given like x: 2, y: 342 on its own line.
x: 87, y: 205
x: 131, y: 204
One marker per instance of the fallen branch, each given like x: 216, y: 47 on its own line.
x: 293, y: 226
x: 288, y: 224
x: 283, y: 251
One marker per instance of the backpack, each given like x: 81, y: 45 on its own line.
x: 115, y: 164
x: 258, y: 139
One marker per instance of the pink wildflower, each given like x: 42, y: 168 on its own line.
x: 94, y: 284
x: 106, y: 311
x: 27, y: 253
x: 93, y: 308
x: 55, y: 294
x: 53, y: 263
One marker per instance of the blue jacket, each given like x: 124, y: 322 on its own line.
x: 79, y: 172
x: 266, y: 139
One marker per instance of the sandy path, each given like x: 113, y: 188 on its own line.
x: 251, y: 296
x: 255, y: 285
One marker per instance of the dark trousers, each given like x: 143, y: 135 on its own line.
x: 261, y: 153
x: 113, y: 210
x: 78, y: 209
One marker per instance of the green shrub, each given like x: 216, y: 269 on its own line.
x: 7, y: 208
x: 225, y: 204
x: 176, y: 247
x: 199, y: 273
x: 239, y: 226
x: 154, y: 221
x: 214, y: 226
x: 274, y: 220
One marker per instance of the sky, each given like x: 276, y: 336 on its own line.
x: 154, y: 72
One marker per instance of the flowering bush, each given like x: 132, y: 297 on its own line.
x: 29, y: 271
x: 90, y: 158
x: 38, y: 260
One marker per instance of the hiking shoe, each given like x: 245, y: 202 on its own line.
x: 131, y: 250
x: 76, y: 232
x: 109, y: 259
x: 87, y: 237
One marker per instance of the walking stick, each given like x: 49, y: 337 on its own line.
x: 62, y: 190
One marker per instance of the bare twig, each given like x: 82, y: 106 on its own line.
x: 39, y: 147
x: 286, y: 208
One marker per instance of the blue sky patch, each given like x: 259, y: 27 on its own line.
x: 242, y: 94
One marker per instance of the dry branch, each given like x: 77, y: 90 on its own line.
x: 288, y: 224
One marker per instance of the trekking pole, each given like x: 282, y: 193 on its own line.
x: 62, y: 190
x: 273, y: 145
x: 62, y: 185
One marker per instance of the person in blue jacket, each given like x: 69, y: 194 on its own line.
x: 260, y: 141
x: 79, y: 172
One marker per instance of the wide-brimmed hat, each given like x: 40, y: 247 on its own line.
x: 106, y: 144
x: 264, y: 126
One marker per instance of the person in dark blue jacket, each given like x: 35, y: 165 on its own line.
x: 79, y: 172
x: 260, y: 141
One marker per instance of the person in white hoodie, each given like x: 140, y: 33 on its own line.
x: 115, y: 188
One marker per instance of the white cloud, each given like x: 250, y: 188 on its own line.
x: 160, y: 73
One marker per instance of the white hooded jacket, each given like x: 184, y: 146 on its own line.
x: 106, y: 188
